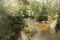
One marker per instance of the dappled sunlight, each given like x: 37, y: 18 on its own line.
x: 40, y: 31
x: 43, y: 26
x: 29, y: 19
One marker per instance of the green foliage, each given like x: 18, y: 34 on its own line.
x: 10, y: 26
x: 12, y: 15
x: 43, y: 15
x: 42, y: 18
x: 11, y: 22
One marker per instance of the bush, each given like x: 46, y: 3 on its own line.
x: 42, y: 18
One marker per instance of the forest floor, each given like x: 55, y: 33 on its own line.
x: 40, y: 35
